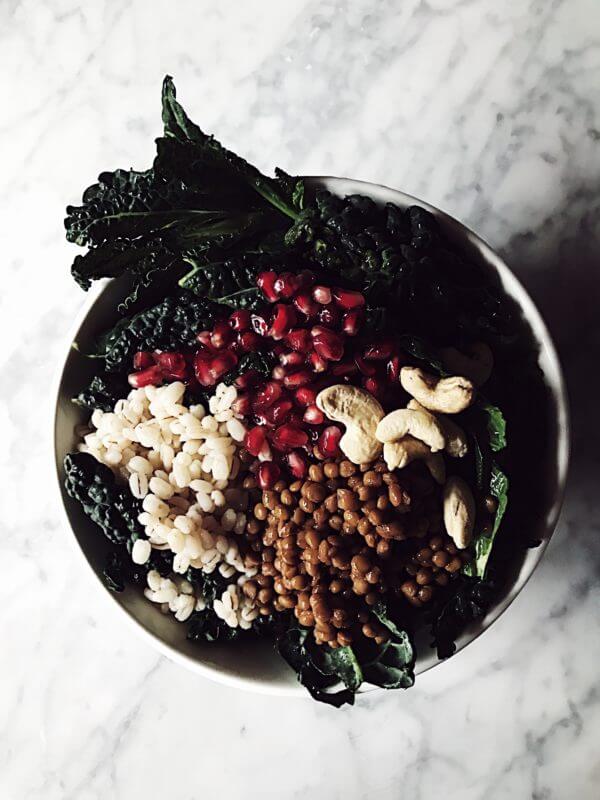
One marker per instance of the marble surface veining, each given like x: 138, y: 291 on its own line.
x: 489, y: 110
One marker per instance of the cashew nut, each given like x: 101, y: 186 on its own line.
x: 476, y: 363
x: 399, y: 454
x: 448, y: 395
x: 360, y: 412
x: 459, y: 511
x: 410, y: 422
x: 457, y: 444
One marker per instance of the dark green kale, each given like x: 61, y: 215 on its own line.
x: 120, y: 571
x: 261, y: 362
x: 401, y: 260
x: 102, y: 392
x: 281, y: 192
x: 170, y: 325
x: 198, y: 199
x: 321, y: 669
x: 297, y: 647
x: 231, y: 283
x: 468, y: 603
x: 484, y: 540
x: 208, y: 627
x: 113, y: 508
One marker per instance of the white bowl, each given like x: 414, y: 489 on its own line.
x: 256, y: 666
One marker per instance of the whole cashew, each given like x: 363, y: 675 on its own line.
x: 360, y: 412
x: 448, y: 395
x: 459, y: 511
x: 399, y: 454
x: 457, y: 444
x: 411, y: 422
x: 476, y: 364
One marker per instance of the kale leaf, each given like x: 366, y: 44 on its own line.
x: 102, y: 392
x: 231, y: 283
x: 297, y: 648
x: 468, y: 603
x: 112, y: 507
x: 206, y: 149
x: 170, y: 325
x: 484, y: 540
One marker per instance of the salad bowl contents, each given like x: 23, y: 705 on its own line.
x: 302, y: 426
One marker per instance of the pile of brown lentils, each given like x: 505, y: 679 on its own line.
x: 330, y: 546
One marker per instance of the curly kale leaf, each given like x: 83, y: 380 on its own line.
x: 484, y: 540
x: 467, y: 604
x: 393, y: 666
x: 231, y: 283
x: 296, y: 648
x: 177, y: 125
x: 118, y: 200
x: 110, y: 506
x: 261, y: 362
x: 321, y: 669
x: 102, y: 392
x: 169, y: 325
x: 119, y: 570
x: 402, y: 260
x: 207, y: 626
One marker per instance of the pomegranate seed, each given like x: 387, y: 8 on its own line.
x: 209, y: 370
x: 268, y: 475
x: 254, y: 440
x: 266, y: 283
x: 366, y: 369
x: 298, y: 464
x: 295, y: 379
x: 248, y: 379
x: 204, y: 337
x: 313, y: 415
x: 147, y: 377
x: 288, y: 437
x: 278, y: 412
x: 352, y: 322
x: 278, y: 373
x: 306, y: 305
x: 143, y: 359
x: 259, y: 325
x: 348, y: 300
x: 284, y: 319
x: 241, y: 405
x: 265, y: 453
x: 265, y: 398
x: 327, y: 343
x: 286, y: 285
x: 221, y: 335
x: 248, y: 341
x: 299, y: 339
x: 240, y: 320
x: 379, y: 352
x: 393, y: 369
x: 322, y: 295
x: 329, y: 441
x: 374, y: 386
x: 305, y: 396
x: 330, y: 316
x: 291, y: 359
x: 172, y: 364
x: 344, y: 368
x: 317, y: 363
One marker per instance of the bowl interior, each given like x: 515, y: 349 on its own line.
x: 256, y: 665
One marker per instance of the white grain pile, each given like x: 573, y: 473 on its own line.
x: 179, y: 462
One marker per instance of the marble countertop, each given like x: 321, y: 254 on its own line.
x: 490, y: 111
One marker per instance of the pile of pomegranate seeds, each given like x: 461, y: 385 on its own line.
x: 312, y: 331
